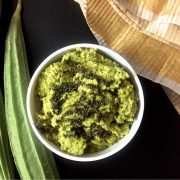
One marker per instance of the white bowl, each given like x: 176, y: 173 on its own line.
x: 33, y: 107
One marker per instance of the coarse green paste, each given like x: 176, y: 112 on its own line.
x: 88, y: 102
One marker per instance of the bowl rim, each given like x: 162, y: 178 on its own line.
x: 120, y: 60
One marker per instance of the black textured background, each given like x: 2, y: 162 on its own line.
x: 155, y: 150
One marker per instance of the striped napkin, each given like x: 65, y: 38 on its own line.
x: 145, y: 32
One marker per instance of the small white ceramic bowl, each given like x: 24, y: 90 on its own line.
x: 33, y: 105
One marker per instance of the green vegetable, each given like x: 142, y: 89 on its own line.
x: 6, y: 163
x: 32, y: 159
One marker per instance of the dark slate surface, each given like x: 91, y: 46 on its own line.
x: 155, y: 150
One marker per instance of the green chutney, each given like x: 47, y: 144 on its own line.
x: 88, y: 102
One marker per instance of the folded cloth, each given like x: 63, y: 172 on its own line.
x: 145, y: 32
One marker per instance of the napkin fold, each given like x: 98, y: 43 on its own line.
x: 145, y: 32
